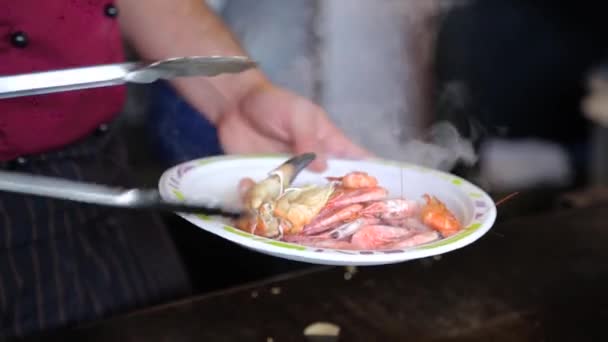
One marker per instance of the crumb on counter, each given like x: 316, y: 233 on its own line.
x: 322, y: 329
x: 350, y: 272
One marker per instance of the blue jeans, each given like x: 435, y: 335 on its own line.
x: 178, y: 131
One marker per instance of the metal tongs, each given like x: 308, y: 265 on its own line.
x: 149, y: 199
x: 116, y: 74
x: 102, y: 76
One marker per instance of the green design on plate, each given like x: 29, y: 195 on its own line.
x: 205, y: 161
x: 475, y: 195
x: 468, y: 231
x: 456, y: 181
x: 285, y: 245
x: 203, y: 217
x: 179, y: 195
x: 238, y: 232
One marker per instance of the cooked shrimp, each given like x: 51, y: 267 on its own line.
x: 356, y: 180
x: 328, y: 221
x: 437, y: 216
x: 414, y: 240
x: 351, y: 212
x: 344, y: 197
x: 348, y: 229
x: 376, y: 236
x: 391, y: 209
x: 313, y: 241
x: 413, y: 223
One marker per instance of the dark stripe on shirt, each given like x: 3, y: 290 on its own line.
x: 62, y: 262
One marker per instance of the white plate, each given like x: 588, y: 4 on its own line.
x: 217, y: 178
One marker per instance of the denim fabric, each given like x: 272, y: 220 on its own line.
x: 177, y: 130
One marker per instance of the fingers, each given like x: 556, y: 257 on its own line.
x: 321, y: 136
x: 237, y: 136
x: 344, y: 148
x: 338, y: 145
x: 306, y: 146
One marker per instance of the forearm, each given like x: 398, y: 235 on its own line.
x: 160, y: 29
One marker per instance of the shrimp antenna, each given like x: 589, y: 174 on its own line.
x: 506, y: 198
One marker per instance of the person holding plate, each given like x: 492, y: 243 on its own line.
x: 63, y: 263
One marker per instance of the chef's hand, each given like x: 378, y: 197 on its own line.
x: 251, y: 114
x: 271, y: 119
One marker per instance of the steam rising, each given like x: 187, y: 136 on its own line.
x: 442, y: 149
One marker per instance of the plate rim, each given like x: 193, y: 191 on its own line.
x: 477, y: 228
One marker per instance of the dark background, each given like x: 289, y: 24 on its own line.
x: 524, y: 64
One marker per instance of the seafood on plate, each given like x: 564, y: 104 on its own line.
x: 349, y: 212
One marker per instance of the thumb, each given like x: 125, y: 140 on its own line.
x: 321, y: 136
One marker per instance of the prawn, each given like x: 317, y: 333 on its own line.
x: 414, y: 240
x: 375, y: 236
x: 391, y: 209
x: 356, y: 180
x: 344, y: 197
x: 327, y: 221
x: 350, y: 212
x: 437, y: 216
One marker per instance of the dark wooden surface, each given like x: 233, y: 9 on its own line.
x: 539, y: 278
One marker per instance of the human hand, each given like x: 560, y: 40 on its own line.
x: 271, y: 119
x: 250, y: 113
